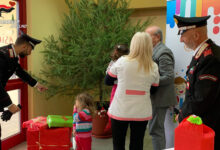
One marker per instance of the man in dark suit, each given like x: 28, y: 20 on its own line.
x: 165, y: 96
x: 9, y: 56
x: 203, y: 75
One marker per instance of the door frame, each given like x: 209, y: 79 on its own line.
x: 19, y: 84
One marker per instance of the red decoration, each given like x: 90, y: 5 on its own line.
x: 190, y: 136
x: 12, y: 3
x: 208, y: 52
x: 216, y: 30
x: 216, y: 20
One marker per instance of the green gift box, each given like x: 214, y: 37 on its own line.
x: 59, y: 121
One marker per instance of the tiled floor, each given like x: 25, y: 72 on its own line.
x: 102, y: 144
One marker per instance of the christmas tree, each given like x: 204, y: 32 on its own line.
x: 78, y: 58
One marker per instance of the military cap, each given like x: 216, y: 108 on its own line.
x: 32, y: 41
x: 186, y: 23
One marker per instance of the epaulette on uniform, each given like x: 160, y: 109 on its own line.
x: 205, y: 50
x: 11, y: 53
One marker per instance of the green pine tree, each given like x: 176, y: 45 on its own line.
x: 78, y: 59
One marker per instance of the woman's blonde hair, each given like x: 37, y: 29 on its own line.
x: 141, y: 49
x: 86, y: 101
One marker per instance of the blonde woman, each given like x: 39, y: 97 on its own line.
x: 131, y: 105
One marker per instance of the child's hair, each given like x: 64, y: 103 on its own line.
x: 86, y: 101
x: 119, y: 50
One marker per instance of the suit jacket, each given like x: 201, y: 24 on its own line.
x: 9, y: 65
x: 203, y: 86
x: 165, y: 95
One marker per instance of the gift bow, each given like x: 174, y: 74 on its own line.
x: 37, y: 120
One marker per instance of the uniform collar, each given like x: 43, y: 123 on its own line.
x: 13, y: 48
x: 198, y: 47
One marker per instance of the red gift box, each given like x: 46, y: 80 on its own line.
x: 191, y: 135
x: 32, y: 139
x: 36, y: 123
x: 49, y: 139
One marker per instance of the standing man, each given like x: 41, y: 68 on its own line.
x: 165, y: 95
x: 203, y: 75
x: 9, y: 56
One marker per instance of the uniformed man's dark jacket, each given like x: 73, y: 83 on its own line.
x: 203, y: 86
x: 9, y: 65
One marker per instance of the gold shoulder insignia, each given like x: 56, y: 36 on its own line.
x: 11, y: 53
x: 200, y: 51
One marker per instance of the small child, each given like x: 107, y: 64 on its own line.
x: 119, y: 50
x: 82, y: 121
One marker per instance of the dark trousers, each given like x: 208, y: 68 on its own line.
x: 0, y: 137
x: 217, y: 143
x: 119, y: 130
x: 217, y: 136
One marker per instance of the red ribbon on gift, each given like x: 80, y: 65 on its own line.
x: 64, y: 118
x: 40, y: 145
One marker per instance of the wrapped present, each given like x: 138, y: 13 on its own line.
x: 36, y: 123
x: 192, y: 134
x: 59, y: 121
x: 32, y: 139
x: 49, y: 139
